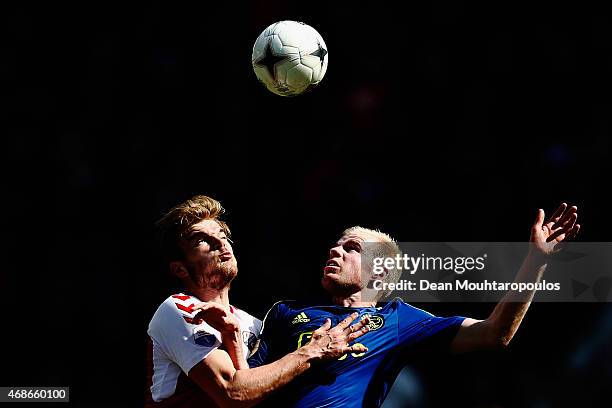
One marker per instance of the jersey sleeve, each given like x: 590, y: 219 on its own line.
x: 416, y: 325
x: 263, y: 354
x: 181, y: 341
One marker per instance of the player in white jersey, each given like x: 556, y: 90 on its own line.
x: 199, y: 360
x: 179, y: 344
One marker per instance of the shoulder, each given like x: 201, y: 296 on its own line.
x: 282, y: 306
x: 404, y: 309
x: 289, y: 308
x: 176, y: 309
x: 278, y: 311
x: 177, y: 305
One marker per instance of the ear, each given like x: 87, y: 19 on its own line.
x: 380, y: 275
x: 377, y: 276
x: 178, y: 269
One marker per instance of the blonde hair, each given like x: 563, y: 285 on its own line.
x: 179, y: 219
x: 386, y: 247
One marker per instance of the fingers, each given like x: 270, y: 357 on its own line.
x: 569, y: 224
x: 539, y: 219
x: 559, y: 234
x: 566, y: 227
x: 209, y: 306
x: 565, y: 217
x: 355, y: 348
x: 208, y: 311
x: 325, y: 326
x: 356, y: 334
x: 365, y: 320
x: 202, y: 306
x: 347, y: 321
x: 333, y: 343
x: 558, y: 213
x: 571, y: 234
x: 357, y: 330
x: 200, y: 311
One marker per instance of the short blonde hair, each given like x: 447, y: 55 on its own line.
x: 179, y: 219
x: 388, y: 249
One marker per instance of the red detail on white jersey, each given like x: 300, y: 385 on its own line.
x: 181, y: 297
x: 188, y: 309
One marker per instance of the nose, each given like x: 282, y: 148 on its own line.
x: 218, y: 244
x: 335, y: 252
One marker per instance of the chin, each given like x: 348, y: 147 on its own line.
x: 222, y: 276
x: 336, y: 288
x: 230, y: 271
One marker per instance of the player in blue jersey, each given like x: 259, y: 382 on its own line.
x: 363, y: 379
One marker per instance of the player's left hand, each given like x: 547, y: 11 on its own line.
x: 217, y: 316
x: 561, y: 226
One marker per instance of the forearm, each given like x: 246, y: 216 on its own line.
x: 232, y: 342
x: 250, y: 386
x: 499, y: 328
x: 507, y: 316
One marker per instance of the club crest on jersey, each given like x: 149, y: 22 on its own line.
x: 203, y: 338
x: 376, y: 322
x: 300, y: 318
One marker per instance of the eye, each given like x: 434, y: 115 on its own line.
x: 199, y: 239
x: 352, y: 246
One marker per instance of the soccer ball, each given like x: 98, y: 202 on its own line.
x: 289, y: 58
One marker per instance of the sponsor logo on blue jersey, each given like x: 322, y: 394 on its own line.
x: 300, y: 318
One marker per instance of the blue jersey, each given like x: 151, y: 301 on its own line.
x: 357, y: 379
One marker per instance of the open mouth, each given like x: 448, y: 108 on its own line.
x: 331, y: 266
x: 226, y: 256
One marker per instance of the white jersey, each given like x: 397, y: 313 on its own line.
x: 179, y: 344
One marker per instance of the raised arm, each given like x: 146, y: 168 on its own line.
x: 228, y: 386
x: 499, y: 328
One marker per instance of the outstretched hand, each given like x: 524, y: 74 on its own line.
x: 560, y: 227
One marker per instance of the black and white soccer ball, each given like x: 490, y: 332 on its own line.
x: 289, y: 58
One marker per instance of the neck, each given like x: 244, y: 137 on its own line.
x: 353, y: 300
x: 220, y: 296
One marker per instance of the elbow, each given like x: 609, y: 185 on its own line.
x: 500, y: 341
x: 238, y: 398
x: 232, y: 401
x: 503, y: 342
x: 500, y: 335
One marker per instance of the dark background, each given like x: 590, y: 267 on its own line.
x: 435, y: 122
